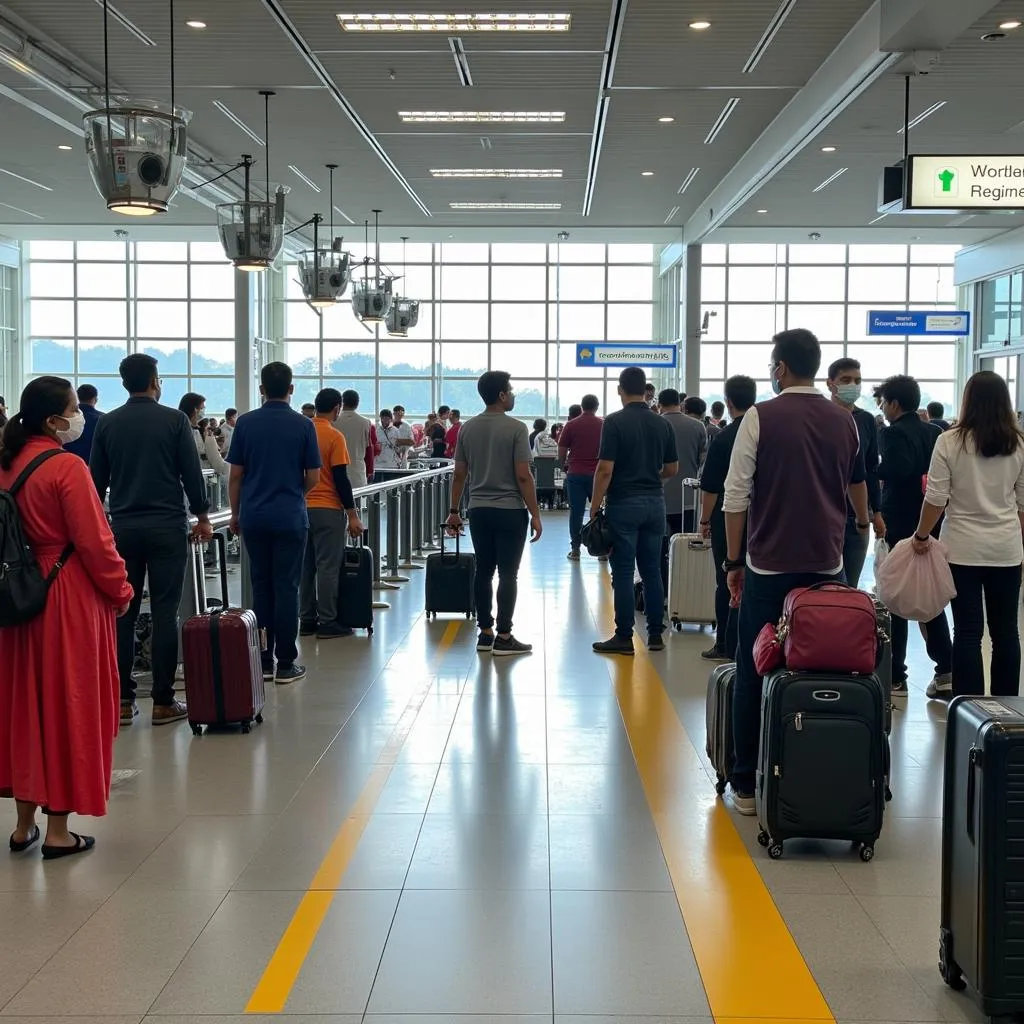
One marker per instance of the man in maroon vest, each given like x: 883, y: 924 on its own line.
x: 795, y: 461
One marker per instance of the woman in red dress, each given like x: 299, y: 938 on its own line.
x: 59, y: 687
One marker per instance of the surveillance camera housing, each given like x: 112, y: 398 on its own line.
x: 924, y: 61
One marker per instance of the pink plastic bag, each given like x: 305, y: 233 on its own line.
x: 912, y: 586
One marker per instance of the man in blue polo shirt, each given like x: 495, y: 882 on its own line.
x: 274, y: 460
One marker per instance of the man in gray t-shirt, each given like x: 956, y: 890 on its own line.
x: 692, y: 447
x: 493, y: 452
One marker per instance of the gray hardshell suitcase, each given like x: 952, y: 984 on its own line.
x: 718, y: 718
x: 980, y: 923
x: 692, y: 580
x: 450, y: 579
x: 823, y: 763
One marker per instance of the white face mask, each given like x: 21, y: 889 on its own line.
x: 76, y: 424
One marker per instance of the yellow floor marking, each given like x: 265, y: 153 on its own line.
x: 748, y: 960
x: 281, y: 973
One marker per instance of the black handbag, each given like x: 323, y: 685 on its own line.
x: 596, y: 536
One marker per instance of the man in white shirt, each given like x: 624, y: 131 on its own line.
x: 392, y: 447
x: 227, y: 428
x: 356, y: 429
x: 404, y: 439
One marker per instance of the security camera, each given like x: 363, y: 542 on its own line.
x: 924, y: 61
x: 814, y: 236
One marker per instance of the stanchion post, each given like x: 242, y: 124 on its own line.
x: 416, y: 515
x: 392, y: 574
x: 405, y: 522
x: 375, y: 537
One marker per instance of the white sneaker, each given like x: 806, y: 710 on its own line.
x: 940, y: 686
x: 744, y: 805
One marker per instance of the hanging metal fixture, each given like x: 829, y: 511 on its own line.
x: 404, y: 313
x: 372, y: 296
x: 136, y: 150
x: 252, y: 231
x: 325, y: 274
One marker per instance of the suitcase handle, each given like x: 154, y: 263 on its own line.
x: 974, y: 762
x: 198, y: 574
x: 444, y: 533
x: 699, y: 544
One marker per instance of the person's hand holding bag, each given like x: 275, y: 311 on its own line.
x: 915, y: 582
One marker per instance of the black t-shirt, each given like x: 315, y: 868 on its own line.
x: 437, y: 439
x: 640, y: 443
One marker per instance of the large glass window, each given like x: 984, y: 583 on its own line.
x: 829, y: 289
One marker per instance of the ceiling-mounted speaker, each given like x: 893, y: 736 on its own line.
x: 251, y: 232
x: 372, y: 299
x: 404, y: 315
x: 324, y: 276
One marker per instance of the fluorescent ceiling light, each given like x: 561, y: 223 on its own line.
x: 762, y: 211
x: 478, y: 116
x: 671, y: 214
x: 134, y: 29
x: 238, y: 122
x: 195, y: 23
x: 829, y: 149
x: 924, y: 113
x: 832, y: 177
x: 65, y: 148
x: 497, y: 172
x: 730, y: 106
x: 1009, y: 26
x: 454, y: 22
x: 341, y: 213
x: 877, y: 219
x: 298, y: 174
x: 647, y: 174
x: 21, y: 177
x: 505, y: 206
x: 768, y: 36
x: 18, y: 209
x: 688, y: 180
x: 700, y: 26
x: 665, y: 120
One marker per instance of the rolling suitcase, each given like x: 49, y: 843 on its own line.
x: 718, y: 718
x: 823, y: 763
x: 982, y: 872
x: 355, y: 588
x: 449, y: 583
x: 221, y: 653
x: 692, y: 580
x: 884, y: 667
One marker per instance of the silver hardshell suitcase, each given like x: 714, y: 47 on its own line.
x: 691, y: 572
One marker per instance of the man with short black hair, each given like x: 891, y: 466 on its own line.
x: 717, y: 414
x: 638, y: 453
x: 937, y: 415
x: 88, y: 398
x: 227, y: 428
x: 451, y: 438
x: 906, y: 453
x: 143, y: 454
x: 844, y: 384
x: 696, y: 408
x: 356, y: 429
x: 493, y: 453
x: 649, y: 396
x: 308, y: 410
x: 275, y: 463
x: 578, y: 447
x: 794, y: 462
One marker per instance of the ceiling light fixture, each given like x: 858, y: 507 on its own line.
x: 462, y: 68
x: 298, y: 174
x: 665, y: 120
x: 671, y: 214
x: 324, y: 274
x: 647, y: 174
x: 700, y: 26
x: 29, y: 181
x: 482, y: 116
x: 730, y: 105
x: 65, y: 148
x: 1009, y: 26
x: 405, y: 312
x: 832, y: 177
x: 136, y: 151
x: 762, y: 211
x: 111, y: 11
x: 505, y: 206
x: 372, y: 298
x: 341, y: 213
x: 768, y: 36
x: 195, y: 23
x: 924, y: 113
x: 237, y: 121
x: 688, y: 180
x: 829, y: 149
x: 496, y: 172
x: 455, y: 22
x: 18, y: 209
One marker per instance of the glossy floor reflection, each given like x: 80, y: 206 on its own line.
x: 419, y: 834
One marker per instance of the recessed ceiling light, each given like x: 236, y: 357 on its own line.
x: 1009, y: 26
x: 665, y: 120
x: 762, y: 211
x: 478, y: 116
x: 455, y: 22
x: 647, y: 174
x: 496, y: 172
x: 700, y: 26
x: 194, y: 23
x: 828, y: 149
x: 505, y: 206
x: 66, y: 148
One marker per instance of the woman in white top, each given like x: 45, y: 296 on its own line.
x: 194, y: 407
x: 977, y: 478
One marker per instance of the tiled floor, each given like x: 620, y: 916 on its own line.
x: 419, y: 834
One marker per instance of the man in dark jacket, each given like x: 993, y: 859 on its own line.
x: 906, y: 452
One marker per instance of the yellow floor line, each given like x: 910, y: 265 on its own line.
x: 749, y: 962
x: 281, y: 973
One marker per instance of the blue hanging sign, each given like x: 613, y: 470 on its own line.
x: 605, y: 354
x: 919, y: 324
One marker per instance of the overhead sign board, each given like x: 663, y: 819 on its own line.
x: 605, y: 354
x: 965, y: 183
x: 918, y: 323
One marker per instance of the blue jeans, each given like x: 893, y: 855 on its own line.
x: 275, y: 564
x: 638, y: 526
x: 580, y: 488
x: 763, y: 597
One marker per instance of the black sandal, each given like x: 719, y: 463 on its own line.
x: 82, y: 845
x: 21, y: 847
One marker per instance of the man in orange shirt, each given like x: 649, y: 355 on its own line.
x: 328, y: 504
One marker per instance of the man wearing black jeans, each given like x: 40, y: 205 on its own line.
x: 578, y: 446
x: 740, y: 395
x: 144, y: 454
x: 274, y: 460
x: 493, y: 451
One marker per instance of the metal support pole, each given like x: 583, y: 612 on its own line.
x: 417, y: 519
x: 405, y: 521
x: 393, y: 524
x: 374, y: 520
x: 430, y: 531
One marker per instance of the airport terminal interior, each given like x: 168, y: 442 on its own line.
x: 418, y: 832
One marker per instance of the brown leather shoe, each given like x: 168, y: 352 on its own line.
x: 129, y: 712
x: 164, y: 714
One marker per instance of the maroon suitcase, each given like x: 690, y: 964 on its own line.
x: 221, y: 653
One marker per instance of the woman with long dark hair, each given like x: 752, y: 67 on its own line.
x: 977, y: 478
x: 59, y: 690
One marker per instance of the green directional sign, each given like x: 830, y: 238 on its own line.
x: 946, y: 182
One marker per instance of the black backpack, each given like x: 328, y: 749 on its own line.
x: 23, y: 588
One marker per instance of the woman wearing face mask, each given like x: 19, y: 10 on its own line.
x: 194, y: 407
x: 59, y: 690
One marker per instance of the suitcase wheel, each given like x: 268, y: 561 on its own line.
x: 197, y: 730
x: 259, y: 719
x: 369, y: 630
x: 867, y: 852
x: 720, y: 785
x: 246, y: 727
x: 950, y: 971
x: 762, y: 838
x: 775, y: 851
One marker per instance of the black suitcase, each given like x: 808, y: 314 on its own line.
x: 449, y: 583
x: 980, y: 923
x: 718, y: 718
x: 823, y: 764
x: 355, y: 589
x: 884, y: 667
